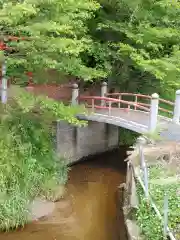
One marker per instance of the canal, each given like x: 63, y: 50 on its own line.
x: 91, y: 207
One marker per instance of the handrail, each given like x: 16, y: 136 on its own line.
x: 112, y: 100
x: 139, y: 95
x: 166, y: 101
x: 161, y: 109
x: 136, y: 104
x: 129, y: 94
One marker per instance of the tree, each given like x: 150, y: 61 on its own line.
x: 134, y: 43
x: 142, y: 37
x: 53, y: 35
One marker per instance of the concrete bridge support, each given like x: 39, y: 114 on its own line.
x: 76, y: 142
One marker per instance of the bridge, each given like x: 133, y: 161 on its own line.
x: 137, y: 112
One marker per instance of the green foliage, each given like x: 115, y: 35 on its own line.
x: 142, y: 40
x: 127, y: 137
x: 29, y: 165
x: 55, y: 37
x: 147, y: 219
x: 133, y: 44
x: 161, y: 181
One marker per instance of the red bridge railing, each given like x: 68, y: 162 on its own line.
x: 153, y: 105
x: 144, y: 100
x: 96, y: 102
x: 114, y: 100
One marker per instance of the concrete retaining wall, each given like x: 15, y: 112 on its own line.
x: 76, y: 142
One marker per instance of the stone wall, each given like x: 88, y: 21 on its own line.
x: 76, y: 142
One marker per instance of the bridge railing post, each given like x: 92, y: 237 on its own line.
x: 153, y: 118
x: 176, y: 115
x: 93, y: 105
x: 75, y: 94
x: 109, y: 109
x: 136, y: 100
x: 119, y: 103
x: 103, y: 92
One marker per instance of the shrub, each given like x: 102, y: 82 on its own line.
x: 29, y: 165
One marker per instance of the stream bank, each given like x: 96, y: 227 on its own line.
x: 91, y: 207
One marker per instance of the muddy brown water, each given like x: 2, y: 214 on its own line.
x: 90, y: 209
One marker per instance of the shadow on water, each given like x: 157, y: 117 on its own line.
x: 91, y: 208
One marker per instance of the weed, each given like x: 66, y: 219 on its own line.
x: 29, y: 166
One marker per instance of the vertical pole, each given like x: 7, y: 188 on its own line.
x: 136, y: 99
x: 141, y: 155
x: 4, y: 84
x: 119, y: 103
x: 141, y: 141
x: 103, y: 92
x: 75, y: 94
x: 176, y: 116
x: 93, y: 105
x: 153, y: 118
x: 165, y: 215
x: 145, y: 172
x: 109, y: 109
x: 143, y: 166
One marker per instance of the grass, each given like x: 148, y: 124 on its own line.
x: 29, y: 166
x: 149, y: 223
x: 164, y: 180
x: 161, y: 180
x: 13, y: 211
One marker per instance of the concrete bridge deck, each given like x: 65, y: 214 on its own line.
x: 137, y: 121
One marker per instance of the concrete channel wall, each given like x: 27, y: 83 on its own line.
x: 74, y: 143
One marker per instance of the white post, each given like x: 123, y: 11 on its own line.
x: 119, y: 103
x: 103, y: 92
x: 75, y: 94
x: 141, y: 142
x: 109, y: 110
x: 153, y: 118
x: 93, y: 105
x: 4, y: 84
x: 176, y: 115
